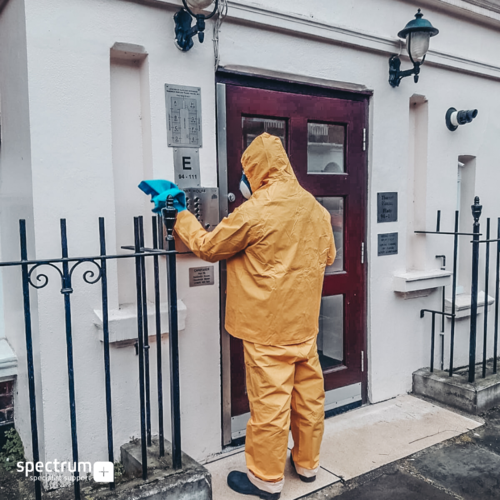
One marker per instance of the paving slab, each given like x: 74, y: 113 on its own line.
x: 396, y: 486
x: 369, y: 437
x: 471, y: 472
x: 294, y: 487
x: 361, y: 441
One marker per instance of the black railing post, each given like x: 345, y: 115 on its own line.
x: 29, y: 358
x: 497, y: 298
x: 159, y: 371
x: 486, y: 290
x: 67, y: 291
x: 454, y: 293
x: 140, y: 351
x: 105, y: 331
x: 433, y: 331
x: 476, y: 214
x: 145, y: 332
x: 443, y: 310
x: 433, y: 340
x: 169, y: 218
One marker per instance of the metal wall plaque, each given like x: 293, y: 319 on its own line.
x: 183, y: 116
x: 388, y: 244
x: 201, y: 276
x: 187, y: 167
x: 387, y: 207
x: 203, y: 203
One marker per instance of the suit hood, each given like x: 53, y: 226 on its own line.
x: 265, y: 160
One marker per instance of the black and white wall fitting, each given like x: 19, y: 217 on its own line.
x: 455, y: 118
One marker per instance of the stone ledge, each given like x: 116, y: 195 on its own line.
x: 123, y: 322
x: 456, y: 391
x: 463, y: 304
x: 421, y: 281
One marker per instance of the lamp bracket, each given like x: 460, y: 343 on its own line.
x: 395, y: 73
x: 184, y: 32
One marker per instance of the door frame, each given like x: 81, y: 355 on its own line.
x: 223, y: 78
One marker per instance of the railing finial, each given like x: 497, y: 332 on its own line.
x: 476, y: 210
x: 169, y: 217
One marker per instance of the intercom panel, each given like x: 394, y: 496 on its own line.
x: 203, y: 203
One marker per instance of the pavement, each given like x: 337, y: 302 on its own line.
x: 402, y: 449
x: 466, y: 467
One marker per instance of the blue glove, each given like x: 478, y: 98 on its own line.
x: 160, y: 190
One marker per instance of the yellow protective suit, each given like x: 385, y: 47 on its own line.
x: 277, y: 245
x: 279, y: 378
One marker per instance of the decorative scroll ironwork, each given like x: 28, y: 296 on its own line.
x: 90, y: 276
x: 41, y: 276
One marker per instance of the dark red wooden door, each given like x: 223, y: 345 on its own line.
x: 325, y: 141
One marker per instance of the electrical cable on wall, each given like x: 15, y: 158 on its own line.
x: 221, y: 14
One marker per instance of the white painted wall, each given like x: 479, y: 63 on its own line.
x: 67, y: 80
x: 399, y: 342
x: 16, y: 199
x: 73, y: 145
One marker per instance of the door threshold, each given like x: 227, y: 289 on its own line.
x: 337, y: 401
x: 343, y: 409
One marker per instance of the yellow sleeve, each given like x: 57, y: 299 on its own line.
x: 332, y: 251
x: 233, y: 234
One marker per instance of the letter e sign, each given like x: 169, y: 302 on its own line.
x: 187, y: 167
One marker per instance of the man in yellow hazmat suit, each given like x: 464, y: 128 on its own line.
x: 277, y: 245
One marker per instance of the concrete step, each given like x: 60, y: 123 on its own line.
x: 457, y: 391
x: 192, y: 482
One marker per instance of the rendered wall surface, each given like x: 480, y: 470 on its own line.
x: 75, y: 174
x: 16, y: 199
x: 67, y: 81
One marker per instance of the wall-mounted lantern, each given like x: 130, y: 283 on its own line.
x: 417, y: 34
x: 455, y: 118
x: 184, y: 32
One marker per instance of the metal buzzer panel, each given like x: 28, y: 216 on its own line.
x: 203, y: 203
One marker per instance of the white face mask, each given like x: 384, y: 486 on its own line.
x: 245, y: 188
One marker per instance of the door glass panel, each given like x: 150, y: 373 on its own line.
x: 253, y: 126
x: 335, y: 205
x: 331, y: 331
x: 325, y: 148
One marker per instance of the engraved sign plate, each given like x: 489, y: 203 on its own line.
x: 387, y: 207
x: 388, y: 244
x: 187, y: 167
x: 183, y: 116
x: 201, y: 276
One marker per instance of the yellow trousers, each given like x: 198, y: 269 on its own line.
x: 284, y: 383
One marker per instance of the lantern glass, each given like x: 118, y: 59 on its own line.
x: 417, y: 44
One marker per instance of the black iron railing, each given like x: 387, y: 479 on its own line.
x: 66, y: 267
x: 476, y: 242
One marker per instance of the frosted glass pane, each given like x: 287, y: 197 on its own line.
x: 335, y: 205
x: 253, y: 126
x: 325, y: 148
x: 418, y: 45
x: 331, y: 331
